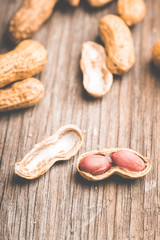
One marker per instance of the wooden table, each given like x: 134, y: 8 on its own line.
x: 60, y: 204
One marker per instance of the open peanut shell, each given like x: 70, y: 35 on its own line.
x: 114, y: 169
x: 63, y: 145
x: 97, y: 79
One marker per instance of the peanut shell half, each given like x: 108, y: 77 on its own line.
x: 114, y: 169
x: 97, y: 79
x: 63, y: 145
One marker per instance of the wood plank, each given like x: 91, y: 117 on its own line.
x: 60, y: 204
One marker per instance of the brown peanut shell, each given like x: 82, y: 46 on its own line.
x: 99, y: 3
x: 26, y: 60
x: 131, y: 11
x: 97, y: 79
x: 114, y: 169
x: 22, y: 94
x: 29, y: 18
x: 68, y: 139
x: 118, y: 42
x: 156, y: 53
x: 73, y: 3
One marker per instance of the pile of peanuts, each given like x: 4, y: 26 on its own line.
x: 18, y: 89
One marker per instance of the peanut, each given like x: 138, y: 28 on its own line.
x: 97, y: 79
x: 21, y: 94
x: 63, y: 145
x: 128, y: 160
x: 131, y: 11
x: 73, y: 3
x: 94, y: 164
x: 118, y: 43
x: 156, y: 54
x: 98, y: 3
x: 100, y: 164
x: 29, y: 18
x: 26, y: 60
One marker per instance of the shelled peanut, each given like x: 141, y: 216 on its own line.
x: 131, y: 11
x: 63, y: 145
x: 99, y: 165
x: 22, y: 94
x: 97, y: 79
x: 29, y: 18
x: 118, y: 42
x: 26, y: 60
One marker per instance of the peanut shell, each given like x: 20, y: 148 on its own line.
x: 114, y: 169
x: 63, y: 145
x: 156, y: 53
x: 21, y: 94
x: 131, y: 11
x: 99, y: 3
x: 26, y: 60
x: 118, y: 43
x: 73, y: 3
x: 97, y: 79
x: 29, y: 18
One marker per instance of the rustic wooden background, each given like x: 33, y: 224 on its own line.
x: 60, y: 204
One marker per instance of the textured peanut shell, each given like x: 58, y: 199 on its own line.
x: 21, y: 94
x: 66, y: 141
x: 98, y: 3
x: 156, y: 54
x: 26, y: 60
x: 73, y: 3
x: 131, y: 11
x: 29, y: 18
x: 114, y: 169
x: 97, y: 79
x: 118, y: 43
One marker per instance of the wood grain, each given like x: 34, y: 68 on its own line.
x: 61, y: 205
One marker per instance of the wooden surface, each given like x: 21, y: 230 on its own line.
x: 60, y: 204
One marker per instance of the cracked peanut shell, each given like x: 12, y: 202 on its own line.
x: 118, y: 42
x: 124, y: 173
x: 63, y: 145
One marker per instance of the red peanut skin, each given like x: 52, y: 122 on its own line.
x: 95, y: 164
x: 128, y: 160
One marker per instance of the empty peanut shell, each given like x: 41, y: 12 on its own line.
x: 97, y: 79
x: 63, y: 145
